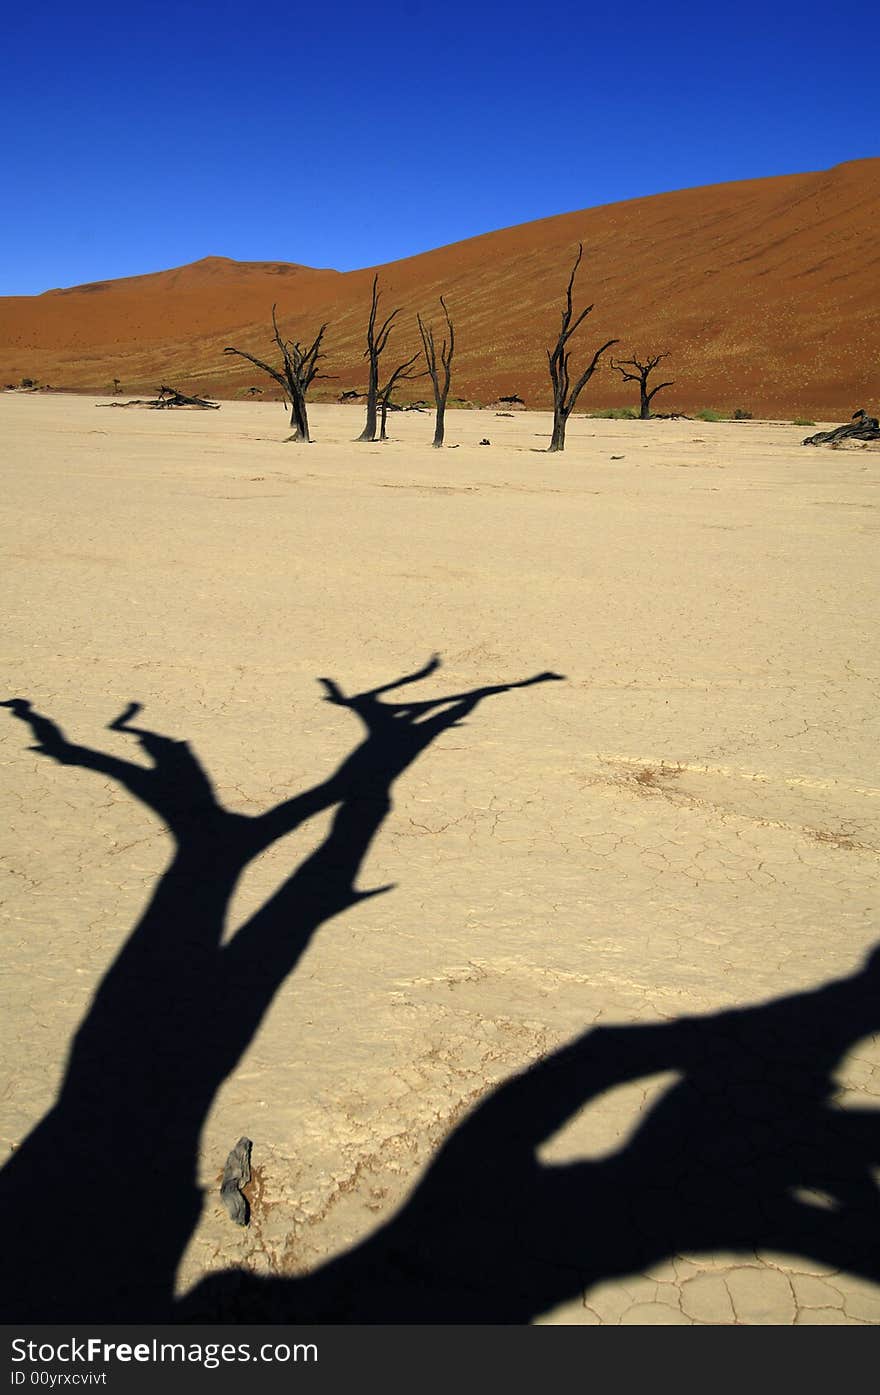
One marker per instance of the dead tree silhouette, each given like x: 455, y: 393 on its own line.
x: 566, y: 393
x: 639, y: 370
x: 99, y: 1201
x: 746, y: 1151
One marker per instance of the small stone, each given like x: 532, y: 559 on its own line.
x: 237, y: 1174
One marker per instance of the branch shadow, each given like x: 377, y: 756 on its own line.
x: 746, y: 1152
x: 101, y: 1198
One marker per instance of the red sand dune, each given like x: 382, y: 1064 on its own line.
x: 764, y: 292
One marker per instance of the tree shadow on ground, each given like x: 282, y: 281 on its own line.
x: 100, y: 1200
x: 747, y: 1151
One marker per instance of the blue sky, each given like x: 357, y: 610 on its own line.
x: 137, y: 137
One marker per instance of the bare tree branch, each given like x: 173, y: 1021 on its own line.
x: 375, y: 345
x: 441, y: 387
x: 399, y: 374
x: 638, y: 370
x: 298, y: 372
x: 564, y: 395
x: 258, y: 362
x: 860, y: 427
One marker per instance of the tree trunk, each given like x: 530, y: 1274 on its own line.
x: 383, y: 435
x: 298, y: 369
x: 566, y: 393
x: 557, y: 440
x: 299, y: 420
x: 441, y: 390
x: 295, y: 423
x: 303, y: 417
x: 645, y: 403
x: 369, y: 431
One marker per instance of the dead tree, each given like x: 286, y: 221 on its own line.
x: 861, y: 427
x: 376, y: 342
x: 299, y: 368
x: 168, y: 397
x: 565, y: 395
x: 441, y: 386
x: 173, y: 397
x: 635, y: 370
x: 401, y: 372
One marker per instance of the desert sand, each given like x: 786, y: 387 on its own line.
x: 686, y: 825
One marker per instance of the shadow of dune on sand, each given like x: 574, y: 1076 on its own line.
x: 747, y: 1149
x: 100, y: 1200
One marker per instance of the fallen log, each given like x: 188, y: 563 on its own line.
x: 172, y: 397
x: 168, y: 397
x: 860, y: 428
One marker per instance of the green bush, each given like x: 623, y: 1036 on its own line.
x: 742, y: 415
x: 803, y: 421
x: 709, y: 414
x: 615, y: 414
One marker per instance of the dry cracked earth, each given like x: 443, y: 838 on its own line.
x: 683, y: 831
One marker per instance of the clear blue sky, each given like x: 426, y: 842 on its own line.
x: 136, y: 137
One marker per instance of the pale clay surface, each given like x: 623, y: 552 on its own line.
x: 688, y: 823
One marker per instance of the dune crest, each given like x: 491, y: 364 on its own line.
x: 762, y: 291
